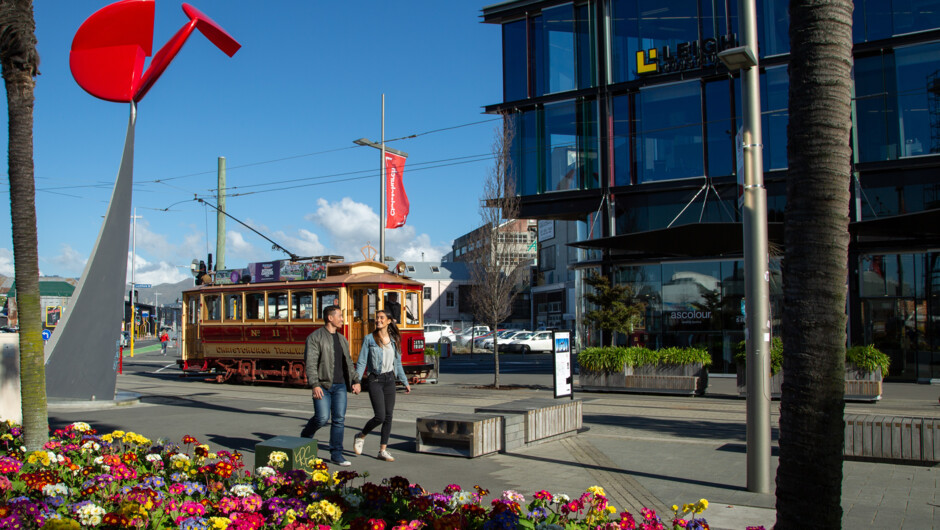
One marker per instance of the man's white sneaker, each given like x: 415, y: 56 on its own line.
x: 385, y: 455
x: 358, y: 442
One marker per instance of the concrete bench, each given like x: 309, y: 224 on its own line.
x: 459, y: 434
x: 300, y: 451
x: 531, y: 421
x: 892, y: 438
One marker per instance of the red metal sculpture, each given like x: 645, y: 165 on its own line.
x: 108, y: 51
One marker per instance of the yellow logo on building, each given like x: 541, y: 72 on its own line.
x: 646, y: 61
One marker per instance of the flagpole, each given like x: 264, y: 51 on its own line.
x: 382, y: 191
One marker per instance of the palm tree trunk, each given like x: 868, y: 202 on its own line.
x: 809, y: 476
x: 20, y: 63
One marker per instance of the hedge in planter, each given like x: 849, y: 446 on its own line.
x: 638, y: 369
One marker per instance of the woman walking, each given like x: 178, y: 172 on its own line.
x: 381, y: 352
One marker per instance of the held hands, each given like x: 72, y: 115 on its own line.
x: 317, y: 392
x: 356, y: 388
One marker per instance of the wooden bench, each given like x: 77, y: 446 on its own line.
x: 530, y: 421
x: 300, y: 451
x: 892, y: 438
x: 459, y: 434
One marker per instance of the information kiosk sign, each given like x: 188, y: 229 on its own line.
x: 561, y: 350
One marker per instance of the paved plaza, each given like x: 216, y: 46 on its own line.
x: 645, y: 450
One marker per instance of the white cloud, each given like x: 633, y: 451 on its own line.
x: 351, y: 225
x: 305, y: 243
x: 6, y: 262
x: 69, y: 262
x: 155, y: 273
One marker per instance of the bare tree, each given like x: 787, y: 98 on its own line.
x: 495, y: 262
x: 20, y: 62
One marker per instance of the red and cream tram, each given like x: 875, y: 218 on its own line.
x: 256, y: 332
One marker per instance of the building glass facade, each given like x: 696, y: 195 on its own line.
x: 625, y: 121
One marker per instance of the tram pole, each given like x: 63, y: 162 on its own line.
x: 220, y: 219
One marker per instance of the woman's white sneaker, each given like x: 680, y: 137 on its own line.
x: 385, y: 455
x: 358, y: 442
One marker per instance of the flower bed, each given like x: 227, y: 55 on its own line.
x: 638, y: 369
x: 123, y: 480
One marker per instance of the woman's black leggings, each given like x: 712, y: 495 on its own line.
x: 382, y: 396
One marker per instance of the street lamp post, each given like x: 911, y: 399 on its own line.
x: 383, y: 148
x: 756, y: 273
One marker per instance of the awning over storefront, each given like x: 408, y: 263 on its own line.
x: 697, y: 240
x: 716, y: 240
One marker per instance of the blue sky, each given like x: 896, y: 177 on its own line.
x: 283, y: 111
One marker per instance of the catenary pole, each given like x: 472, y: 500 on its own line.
x: 220, y: 219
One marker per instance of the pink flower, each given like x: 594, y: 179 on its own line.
x: 251, y: 503
x: 8, y: 464
x: 228, y: 505
x: 451, y: 489
x: 193, y: 508
x: 543, y: 495
x: 176, y: 488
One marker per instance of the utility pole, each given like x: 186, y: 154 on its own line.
x: 134, y: 219
x: 220, y: 219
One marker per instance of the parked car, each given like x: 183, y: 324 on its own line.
x: 505, y: 336
x: 441, y: 333
x: 530, y: 342
x: 466, y: 335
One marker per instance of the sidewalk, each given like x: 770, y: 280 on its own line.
x: 645, y: 450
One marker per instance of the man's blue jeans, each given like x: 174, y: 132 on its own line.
x: 333, y: 404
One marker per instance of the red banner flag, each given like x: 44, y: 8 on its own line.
x: 395, y: 195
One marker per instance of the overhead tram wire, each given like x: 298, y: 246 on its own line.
x: 274, y: 245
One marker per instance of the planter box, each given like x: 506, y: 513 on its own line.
x: 691, y: 379
x: 860, y: 385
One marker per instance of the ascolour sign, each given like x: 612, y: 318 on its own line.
x: 688, y: 56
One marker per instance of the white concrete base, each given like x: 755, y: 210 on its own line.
x: 10, y: 404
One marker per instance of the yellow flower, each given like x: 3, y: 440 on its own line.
x: 319, y: 476
x: 118, y: 434
x: 597, y: 490
x: 290, y: 516
x: 6, y: 436
x: 611, y: 509
x: 277, y: 459
x: 675, y: 508
x: 701, y: 506
x: 219, y: 523
x: 107, y: 437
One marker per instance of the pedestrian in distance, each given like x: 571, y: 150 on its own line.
x: 164, y: 341
x: 381, y: 354
x: 330, y: 373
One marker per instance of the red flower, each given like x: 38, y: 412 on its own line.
x: 376, y: 524
x: 189, y: 440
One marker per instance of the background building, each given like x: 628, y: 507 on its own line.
x: 54, y: 295
x: 625, y: 124
x: 445, y: 290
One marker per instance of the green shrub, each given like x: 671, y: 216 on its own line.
x: 431, y: 352
x: 865, y: 357
x: 614, y: 358
x: 868, y: 358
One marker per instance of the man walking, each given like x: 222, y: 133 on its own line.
x: 164, y: 340
x: 329, y: 372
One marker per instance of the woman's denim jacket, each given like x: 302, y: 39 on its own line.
x: 371, y: 354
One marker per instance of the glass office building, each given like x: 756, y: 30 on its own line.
x: 624, y: 121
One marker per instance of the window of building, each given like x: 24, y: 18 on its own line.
x: 876, y: 108
x: 233, y: 306
x: 773, y: 34
x: 918, y: 98
x: 450, y: 299
x: 515, y: 82
x: 559, y: 68
x: 427, y: 293
x: 775, y: 86
x: 301, y: 305
x: 620, y: 107
x: 435, y: 268
x: 879, y: 19
x: 639, y: 25
x: 560, y: 156
x: 547, y: 258
x: 719, y: 128
x: 669, y: 132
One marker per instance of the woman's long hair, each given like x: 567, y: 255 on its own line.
x: 393, y: 332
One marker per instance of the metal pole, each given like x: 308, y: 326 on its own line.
x: 220, y: 219
x: 382, y: 191
x: 757, y: 276
x: 133, y: 279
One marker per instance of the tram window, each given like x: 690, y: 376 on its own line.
x: 233, y: 306
x: 373, y: 299
x: 254, y: 306
x: 278, y: 307
x: 412, y: 309
x: 193, y: 309
x: 302, y: 305
x: 392, y: 304
x: 213, y: 307
x: 324, y: 300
